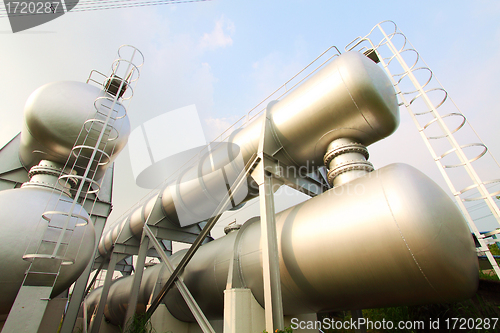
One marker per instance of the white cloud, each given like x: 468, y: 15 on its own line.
x: 220, y: 35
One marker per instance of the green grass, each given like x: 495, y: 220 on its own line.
x: 475, y: 309
x: 488, y: 276
x: 139, y: 323
x: 287, y: 330
x: 494, y: 249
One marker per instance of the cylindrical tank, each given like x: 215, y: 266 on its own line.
x: 392, y: 237
x: 21, y: 224
x: 56, y: 113
x: 351, y: 97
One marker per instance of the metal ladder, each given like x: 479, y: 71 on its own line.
x: 49, y: 253
x: 422, y: 99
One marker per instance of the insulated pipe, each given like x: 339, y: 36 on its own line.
x: 351, y: 97
x: 391, y: 237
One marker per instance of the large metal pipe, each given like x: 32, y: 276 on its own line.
x: 351, y: 97
x: 391, y: 237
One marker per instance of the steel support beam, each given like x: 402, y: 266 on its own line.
x: 78, y: 293
x: 104, y: 294
x: 136, y: 284
x: 356, y: 316
x: 184, y: 291
x: 273, y: 302
x: 201, y: 236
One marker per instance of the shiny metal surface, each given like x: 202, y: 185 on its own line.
x: 54, y: 115
x: 391, y: 237
x: 349, y: 98
x: 346, y: 160
x: 22, y: 211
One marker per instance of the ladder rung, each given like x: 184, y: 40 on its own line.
x: 60, y: 228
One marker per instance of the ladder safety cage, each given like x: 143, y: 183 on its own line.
x: 442, y: 126
x: 79, y: 179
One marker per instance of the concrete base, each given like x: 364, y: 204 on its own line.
x: 242, y: 313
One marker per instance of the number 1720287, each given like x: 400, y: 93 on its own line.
x: 31, y: 7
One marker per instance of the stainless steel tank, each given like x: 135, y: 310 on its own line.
x: 56, y: 113
x: 392, y: 237
x: 21, y: 224
x: 351, y: 97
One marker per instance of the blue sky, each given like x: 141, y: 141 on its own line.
x: 226, y: 56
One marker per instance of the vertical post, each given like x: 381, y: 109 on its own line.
x: 273, y: 302
x: 356, y: 316
x: 81, y: 284
x: 104, y: 295
x: 136, y: 284
x: 270, y: 259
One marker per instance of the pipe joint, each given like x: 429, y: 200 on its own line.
x: 346, y: 160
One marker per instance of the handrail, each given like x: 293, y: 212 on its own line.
x: 244, y: 120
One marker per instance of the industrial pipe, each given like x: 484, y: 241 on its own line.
x: 389, y: 238
x: 351, y: 97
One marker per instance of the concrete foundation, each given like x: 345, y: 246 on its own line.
x: 242, y: 313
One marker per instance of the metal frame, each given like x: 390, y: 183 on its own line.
x: 266, y: 171
x: 150, y: 234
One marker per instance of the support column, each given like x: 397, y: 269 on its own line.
x: 136, y: 284
x: 270, y: 258
x: 104, y: 295
x: 81, y: 284
x: 263, y: 175
x: 356, y: 316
